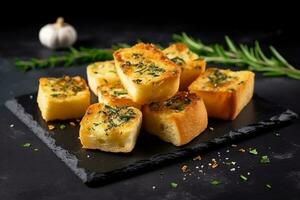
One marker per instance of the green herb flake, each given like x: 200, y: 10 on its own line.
x: 62, y: 127
x: 269, y: 186
x: 178, y: 60
x: 253, y: 151
x: 215, y: 182
x: 26, y: 145
x: 174, y: 185
x: 244, y: 178
x: 264, y: 159
x: 119, y: 93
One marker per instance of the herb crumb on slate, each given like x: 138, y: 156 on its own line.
x: 174, y: 185
x: 51, y: 127
x: 26, y: 145
x: 268, y: 186
x: 62, y: 127
x: 215, y: 182
x: 197, y: 158
x: 244, y: 178
x: 264, y: 159
x: 11, y: 126
x: 184, y: 168
x: 253, y: 151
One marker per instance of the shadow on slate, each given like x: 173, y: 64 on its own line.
x: 96, y: 168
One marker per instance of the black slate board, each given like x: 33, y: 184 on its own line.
x: 97, y: 168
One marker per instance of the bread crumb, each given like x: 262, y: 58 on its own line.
x: 51, y: 127
x: 184, y: 168
x: 72, y: 123
x: 197, y: 158
x: 242, y: 150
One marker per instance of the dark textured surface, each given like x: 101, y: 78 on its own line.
x: 96, y: 168
x: 29, y: 174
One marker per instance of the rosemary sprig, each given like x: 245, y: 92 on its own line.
x: 74, y: 56
x: 252, y: 58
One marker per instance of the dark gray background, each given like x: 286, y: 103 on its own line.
x: 29, y: 174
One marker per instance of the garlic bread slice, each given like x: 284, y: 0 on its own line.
x: 146, y: 73
x: 225, y: 92
x: 110, y: 128
x: 99, y: 73
x: 177, y: 120
x: 190, y: 63
x: 63, y: 98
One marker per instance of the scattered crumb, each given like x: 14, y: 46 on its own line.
x: 242, y: 150
x: 214, y: 163
x: 248, y: 173
x: 11, y: 126
x: 51, y: 127
x: 211, y: 129
x: 227, y: 151
x: 153, y: 187
x: 88, y: 156
x: 35, y: 149
x: 232, y: 169
x: 277, y: 134
x: 197, y: 167
x: 226, y: 158
x: 72, y: 123
x: 184, y: 168
x: 31, y: 97
x: 197, y: 158
x: 77, y: 120
x: 233, y: 163
x: 233, y: 145
x: 202, y: 166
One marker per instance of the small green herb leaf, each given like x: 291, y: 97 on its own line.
x: 215, y: 182
x: 26, y: 145
x: 253, y: 151
x: 62, y: 127
x: 269, y: 186
x: 264, y: 159
x: 174, y: 185
x: 244, y: 178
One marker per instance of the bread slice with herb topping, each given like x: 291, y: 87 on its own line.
x: 116, y: 95
x: 224, y: 92
x: 110, y: 128
x: 190, y: 63
x: 146, y: 73
x: 63, y: 98
x: 99, y: 73
x: 177, y: 120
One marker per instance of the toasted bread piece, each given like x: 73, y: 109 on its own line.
x: 191, y: 65
x: 146, y: 73
x: 99, y: 73
x: 63, y: 98
x: 115, y: 94
x: 111, y: 129
x: 177, y: 120
x: 225, y: 92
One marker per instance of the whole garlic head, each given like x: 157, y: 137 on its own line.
x: 58, y: 35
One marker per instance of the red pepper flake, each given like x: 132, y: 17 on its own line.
x: 197, y: 158
x: 184, y: 168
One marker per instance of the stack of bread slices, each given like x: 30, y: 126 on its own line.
x: 168, y: 93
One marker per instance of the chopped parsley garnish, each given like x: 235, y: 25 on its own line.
x: 178, y: 60
x: 253, y: 151
x: 66, y: 86
x: 177, y: 102
x: 116, y: 116
x: 215, y: 182
x: 217, y: 78
x: 118, y: 93
x: 62, y: 127
x: 137, y: 81
x: 264, y: 159
x: 149, y: 69
x: 137, y: 55
x: 174, y: 185
x: 26, y: 145
x: 244, y: 178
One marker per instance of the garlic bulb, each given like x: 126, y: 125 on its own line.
x: 58, y: 35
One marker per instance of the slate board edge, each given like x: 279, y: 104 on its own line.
x: 97, y: 179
